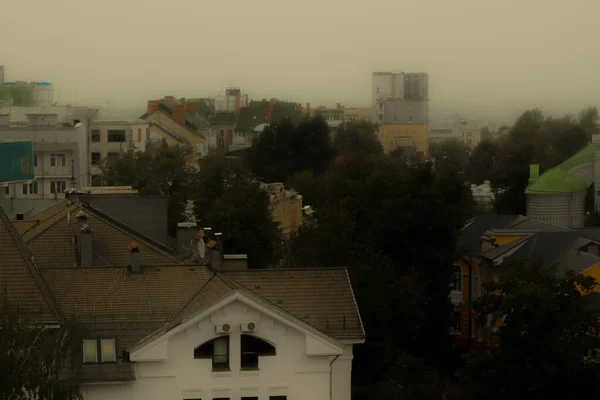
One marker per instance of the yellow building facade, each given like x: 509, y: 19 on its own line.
x: 408, y: 136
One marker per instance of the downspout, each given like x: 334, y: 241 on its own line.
x: 470, y: 330
x: 331, y: 376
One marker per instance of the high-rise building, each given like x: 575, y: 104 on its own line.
x: 400, y: 105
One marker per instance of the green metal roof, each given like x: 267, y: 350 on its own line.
x: 559, y: 179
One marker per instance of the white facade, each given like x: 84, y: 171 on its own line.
x: 307, y: 364
x: 60, y: 154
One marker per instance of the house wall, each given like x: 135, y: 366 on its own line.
x: 501, y: 240
x: 564, y: 210
x: 403, y: 135
x: 290, y: 373
x: 594, y: 272
x: 197, y: 142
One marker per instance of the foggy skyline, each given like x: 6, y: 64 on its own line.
x: 483, y: 58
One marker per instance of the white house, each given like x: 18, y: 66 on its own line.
x: 162, y: 328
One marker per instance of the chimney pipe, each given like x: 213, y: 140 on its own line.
x: 216, y: 252
x: 84, y: 240
x: 152, y: 106
x: 134, y: 252
x: 179, y: 113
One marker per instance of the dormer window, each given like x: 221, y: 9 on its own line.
x: 252, y: 348
x: 217, y: 350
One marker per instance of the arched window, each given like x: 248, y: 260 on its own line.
x: 216, y: 349
x: 252, y: 348
x: 456, y: 278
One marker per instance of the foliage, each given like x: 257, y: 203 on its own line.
x: 546, y: 334
x: 160, y: 170
x: 35, y: 359
x: 396, y: 246
x: 533, y: 139
x: 283, y: 148
x: 357, y: 138
x: 450, y: 156
x: 229, y: 201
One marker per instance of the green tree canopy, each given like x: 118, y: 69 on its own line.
x: 547, y: 340
x: 283, y: 148
x: 450, y: 156
x: 357, y: 138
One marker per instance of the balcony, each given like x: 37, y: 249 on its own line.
x: 456, y: 297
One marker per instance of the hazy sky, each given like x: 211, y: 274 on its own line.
x: 483, y: 57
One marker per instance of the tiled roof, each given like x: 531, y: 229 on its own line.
x: 51, y: 241
x: 20, y: 280
x: 323, y: 298
x: 256, y: 113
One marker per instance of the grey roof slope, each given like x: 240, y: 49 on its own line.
x: 469, y: 239
x: 20, y: 279
x: 556, y: 249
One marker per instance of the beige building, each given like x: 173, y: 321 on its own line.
x: 286, y: 207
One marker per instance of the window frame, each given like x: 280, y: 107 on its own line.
x: 98, y: 348
x: 457, y: 284
x: 101, y: 348
x: 216, y: 367
x: 93, y: 162
x: 112, y: 134
x: 255, y: 365
x: 24, y: 189
x: 95, y: 340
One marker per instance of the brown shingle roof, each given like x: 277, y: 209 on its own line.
x: 323, y: 298
x: 51, y: 241
x: 19, y: 277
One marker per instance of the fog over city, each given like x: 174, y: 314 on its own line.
x: 488, y: 60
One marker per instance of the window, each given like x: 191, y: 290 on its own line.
x: 95, y: 135
x: 250, y: 398
x: 469, y: 142
x: 7, y: 190
x: 96, y: 159
x: 108, y: 350
x: 456, y: 278
x: 20, y: 217
x: 381, y: 117
x: 90, y: 351
x: 33, y: 188
x: 116, y: 136
x: 218, y: 350
x: 24, y: 188
x: 57, y: 186
x: 139, y: 134
x: 252, y: 348
x: 58, y: 160
x: 277, y: 397
x: 35, y: 159
x: 112, y: 157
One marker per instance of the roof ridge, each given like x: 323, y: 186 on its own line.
x: 51, y: 221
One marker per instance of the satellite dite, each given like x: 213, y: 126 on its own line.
x: 16, y: 162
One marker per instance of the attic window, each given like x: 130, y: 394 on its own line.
x: 19, y: 217
x: 104, y: 346
x: 216, y: 349
x: 252, y: 348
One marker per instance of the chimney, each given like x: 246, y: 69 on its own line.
x: 235, y: 262
x: 134, y: 253
x: 191, y: 107
x: 216, y: 252
x: 186, y: 237
x: 308, y: 110
x: 153, y: 106
x: 179, y: 113
x: 169, y: 98
x: 84, y: 240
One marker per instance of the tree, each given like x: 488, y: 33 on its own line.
x: 160, y: 170
x: 588, y: 121
x: 357, y: 138
x: 546, y: 334
x: 481, y: 163
x: 35, y: 359
x: 485, y: 133
x: 228, y: 200
x: 450, y: 156
x: 283, y: 148
x: 396, y: 247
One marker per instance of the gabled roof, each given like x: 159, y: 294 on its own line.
x: 51, y: 240
x: 469, y: 239
x: 20, y: 279
x: 189, y: 126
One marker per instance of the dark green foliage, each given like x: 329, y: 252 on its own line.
x: 450, y: 156
x: 357, y: 138
x: 548, y: 333
x: 284, y: 148
x: 534, y: 139
x: 160, y: 170
x: 229, y: 201
x: 393, y: 223
x: 36, y: 361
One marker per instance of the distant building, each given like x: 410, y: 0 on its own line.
x: 461, y: 131
x: 400, y: 98
x: 335, y: 116
x: 111, y: 135
x: 410, y: 137
x: 286, y: 207
x: 483, y: 196
x: 60, y: 145
x: 25, y: 94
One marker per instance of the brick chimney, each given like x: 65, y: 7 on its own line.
x: 179, y: 113
x: 238, y: 102
x: 191, y: 107
x: 84, y: 241
x: 153, y: 106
